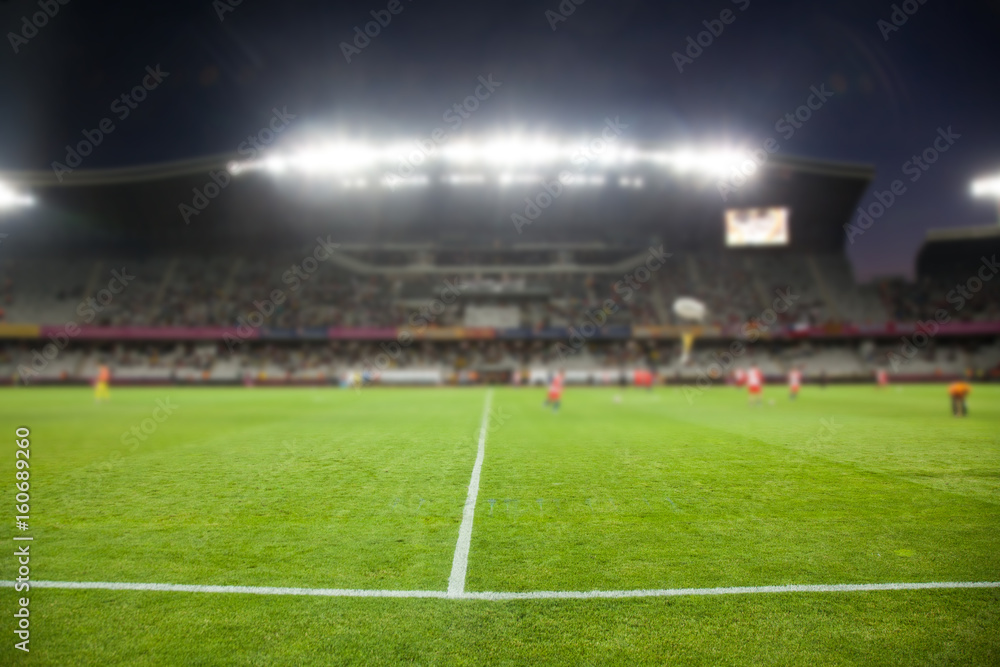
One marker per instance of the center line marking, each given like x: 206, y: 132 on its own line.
x: 456, y: 582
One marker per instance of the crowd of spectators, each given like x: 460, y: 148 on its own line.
x: 949, y: 291
x: 223, y: 290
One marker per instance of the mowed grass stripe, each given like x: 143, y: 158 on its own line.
x: 636, y: 494
x: 906, y: 431
x: 81, y: 627
x: 321, y: 488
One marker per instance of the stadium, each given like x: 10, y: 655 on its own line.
x: 495, y: 397
x: 446, y: 280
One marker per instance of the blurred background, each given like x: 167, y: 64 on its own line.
x: 303, y: 193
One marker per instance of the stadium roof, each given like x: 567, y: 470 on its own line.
x: 199, y: 201
x: 963, y: 233
x: 957, y: 250
x: 716, y: 163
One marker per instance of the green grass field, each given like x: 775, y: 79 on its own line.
x: 331, y: 489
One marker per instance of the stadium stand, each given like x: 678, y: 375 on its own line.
x: 193, y: 291
x: 438, y: 287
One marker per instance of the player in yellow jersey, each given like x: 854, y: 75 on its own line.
x: 101, y: 391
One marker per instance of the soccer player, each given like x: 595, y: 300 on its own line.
x: 555, y: 392
x: 794, y: 382
x: 882, y: 377
x: 755, y: 385
x: 643, y: 378
x: 958, y: 392
x: 101, y: 391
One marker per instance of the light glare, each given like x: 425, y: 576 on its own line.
x: 987, y: 187
x: 10, y: 198
x: 505, y: 155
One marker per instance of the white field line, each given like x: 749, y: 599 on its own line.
x: 456, y: 582
x: 729, y: 590
x: 252, y: 590
x: 535, y: 595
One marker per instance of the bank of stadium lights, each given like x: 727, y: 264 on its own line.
x: 582, y: 180
x: 988, y: 187
x: 11, y: 199
x: 414, y: 181
x: 506, y: 155
x: 465, y: 179
x: 508, y: 178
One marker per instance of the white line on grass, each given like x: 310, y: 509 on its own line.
x: 729, y: 590
x: 535, y: 595
x: 253, y: 590
x: 456, y: 582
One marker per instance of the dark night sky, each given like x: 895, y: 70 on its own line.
x: 609, y: 58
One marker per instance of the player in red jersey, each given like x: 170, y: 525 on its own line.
x: 555, y: 392
x: 643, y: 378
x: 882, y: 378
x: 755, y: 385
x: 794, y: 382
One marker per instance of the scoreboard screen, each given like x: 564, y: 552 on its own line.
x: 756, y: 227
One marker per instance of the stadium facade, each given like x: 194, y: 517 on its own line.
x: 469, y: 274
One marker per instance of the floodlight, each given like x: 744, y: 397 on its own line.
x: 465, y: 179
x: 11, y: 199
x: 502, y: 158
x: 988, y: 186
x: 507, y: 178
x: 395, y: 181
